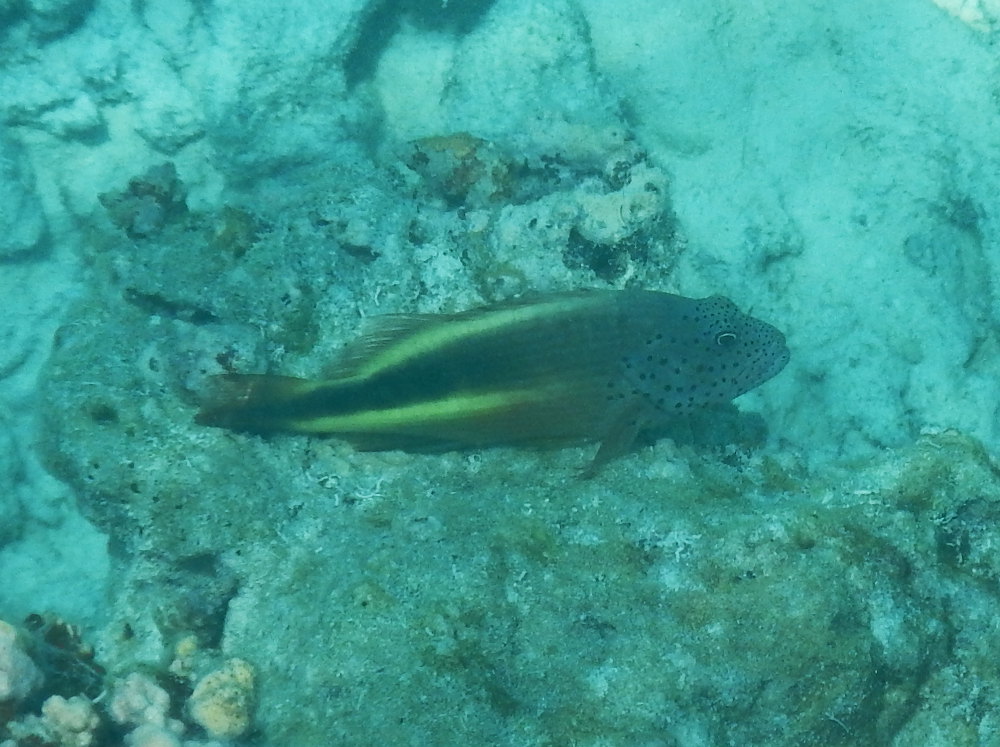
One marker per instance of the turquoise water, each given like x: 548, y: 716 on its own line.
x: 191, y: 190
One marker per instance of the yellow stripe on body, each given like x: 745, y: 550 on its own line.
x: 452, y: 409
x: 455, y: 330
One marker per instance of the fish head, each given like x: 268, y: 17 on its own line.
x: 706, y: 352
x: 746, y: 351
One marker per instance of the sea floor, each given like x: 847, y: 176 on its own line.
x: 193, y: 189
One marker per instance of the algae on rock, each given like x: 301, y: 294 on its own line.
x: 694, y: 593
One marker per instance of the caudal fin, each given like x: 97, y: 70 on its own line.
x: 255, y: 403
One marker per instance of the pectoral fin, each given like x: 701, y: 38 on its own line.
x: 618, y: 439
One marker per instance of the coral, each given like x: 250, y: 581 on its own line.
x: 462, y: 169
x: 138, y: 709
x: 138, y: 700
x: 64, y: 664
x: 149, y: 202
x: 64, y: 722
x: 222, y: 702
x: 67, y: 661
x: 149, y: 735
x: 72, y: 722
x: 185, y: 651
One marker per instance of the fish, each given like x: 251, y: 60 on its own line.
x: 550, y: 370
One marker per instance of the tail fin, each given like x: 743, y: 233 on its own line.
x: 254, y: 403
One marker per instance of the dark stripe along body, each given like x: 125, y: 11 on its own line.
x: 555, y: 369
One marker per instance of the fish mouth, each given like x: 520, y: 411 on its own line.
x: 781, y: 362
x: 775, y: 344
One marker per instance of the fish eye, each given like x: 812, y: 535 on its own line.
x: 725, y: 339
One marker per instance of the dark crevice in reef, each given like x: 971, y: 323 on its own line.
x: 383, y: 21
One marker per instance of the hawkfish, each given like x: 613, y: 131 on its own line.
x: 550, y: 370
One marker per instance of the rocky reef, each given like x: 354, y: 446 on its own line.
x: 706, y: 589
x: 198, y: 189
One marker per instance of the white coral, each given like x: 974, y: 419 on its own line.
x: 149, y: 735
x: 138, y: 700
x: 71, y: 722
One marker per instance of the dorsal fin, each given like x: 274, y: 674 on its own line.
x: 377, y: 334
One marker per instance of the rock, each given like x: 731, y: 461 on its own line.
x: 22, y: 223
x: 18, y: 673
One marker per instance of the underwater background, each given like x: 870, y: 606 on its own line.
x: 192, y: 188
